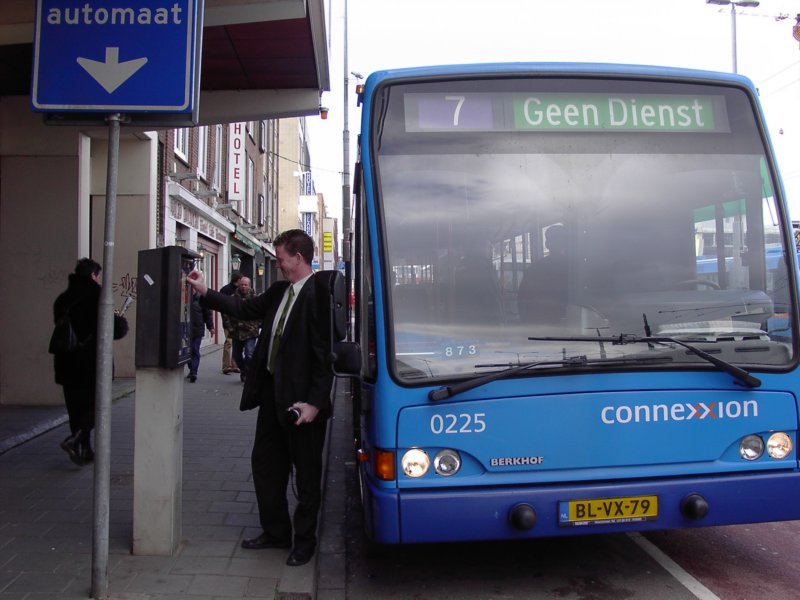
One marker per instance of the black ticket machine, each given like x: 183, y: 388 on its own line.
x: 163, y: 329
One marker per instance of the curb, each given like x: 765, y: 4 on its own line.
x: 300, y: 583
x: 35, y: 431
x: 44, y: 426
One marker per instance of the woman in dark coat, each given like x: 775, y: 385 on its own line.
x: 76, y: 370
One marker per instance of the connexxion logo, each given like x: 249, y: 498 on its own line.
x: 648, y: 413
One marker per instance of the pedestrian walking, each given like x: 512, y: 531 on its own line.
x: 243, y: 333
x: 290, y: 382
x: 200, y: 318
x: 228, y: 365
x: 75, y: 363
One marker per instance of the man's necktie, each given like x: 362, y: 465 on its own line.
x: 276, y: 339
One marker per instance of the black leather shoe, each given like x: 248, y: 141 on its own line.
x: 299, y: 556
x: 86, y: 453
x: 265, y: 541
x: 71, y: 446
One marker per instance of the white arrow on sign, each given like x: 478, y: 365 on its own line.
x: 111, y: 73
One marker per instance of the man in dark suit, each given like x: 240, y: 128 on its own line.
x: 290, y: 381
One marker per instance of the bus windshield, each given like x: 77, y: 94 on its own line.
x: 515, y: 208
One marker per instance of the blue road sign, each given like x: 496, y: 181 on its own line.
x: 122, y: 56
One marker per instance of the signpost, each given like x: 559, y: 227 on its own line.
x: 135, y: 58
x: 140, y: 58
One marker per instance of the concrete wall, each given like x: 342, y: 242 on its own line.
x: 135, y: 228
x: 288, y: 183
x: 52, y: 190
x: 40, y: 233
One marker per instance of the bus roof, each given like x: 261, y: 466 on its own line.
x: 554, y: 68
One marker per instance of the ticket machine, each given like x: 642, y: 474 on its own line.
x: 163, y: 331
x: 163, y: 336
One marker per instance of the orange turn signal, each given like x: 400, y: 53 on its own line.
x: 384, y: 464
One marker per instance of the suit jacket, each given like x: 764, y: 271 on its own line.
x: 302, y: 371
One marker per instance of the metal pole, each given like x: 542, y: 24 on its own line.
x: 346, y: 157
x: 733, y: 35
x: 105, y: 339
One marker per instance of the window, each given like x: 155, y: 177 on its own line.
x: 262, y: 137
x: 182, y: 144
x: 262, y: 215
x: 217, y: 180
x: 251, y: 171
x: 503, y: 237
x: 365, y: 299
x: 202, y: 151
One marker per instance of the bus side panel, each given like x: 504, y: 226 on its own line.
x: 379, y: 499
x: 452, y: 515
x: 381, y: 512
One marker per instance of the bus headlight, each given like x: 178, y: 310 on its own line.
x: 415, y: 462
x: 779, y: 445
x: 447, y: 462
x: 751, y: 447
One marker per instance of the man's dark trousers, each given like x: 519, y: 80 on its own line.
x: 279, y: 444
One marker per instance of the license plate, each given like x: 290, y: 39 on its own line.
x: 598, y: 511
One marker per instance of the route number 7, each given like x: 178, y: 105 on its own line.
x: 459, y: 100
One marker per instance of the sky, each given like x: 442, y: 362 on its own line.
x: 678, y: 33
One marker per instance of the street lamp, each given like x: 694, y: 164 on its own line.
x: 346, y: 193
x: 734, y: 4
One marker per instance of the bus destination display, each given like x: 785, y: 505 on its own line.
x: 535, y: 112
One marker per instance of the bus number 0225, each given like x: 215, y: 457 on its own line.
x: 461, y: 423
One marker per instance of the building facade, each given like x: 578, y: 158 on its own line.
x: 172, y: 186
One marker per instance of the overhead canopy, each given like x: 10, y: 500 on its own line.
x: 260, y: 58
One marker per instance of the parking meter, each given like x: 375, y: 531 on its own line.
x: 163, y: 328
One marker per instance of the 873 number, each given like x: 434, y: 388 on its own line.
x: 460, y: 350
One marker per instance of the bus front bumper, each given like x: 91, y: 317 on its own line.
x: 448, y: 515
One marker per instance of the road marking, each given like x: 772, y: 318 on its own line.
x: 690, y: 583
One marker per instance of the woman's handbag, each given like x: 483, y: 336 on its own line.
x: 64, y: 338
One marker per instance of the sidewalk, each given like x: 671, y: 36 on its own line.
x: 46, y: 511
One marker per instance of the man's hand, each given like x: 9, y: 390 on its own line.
x: 308, y: 412
x: 195, y: 279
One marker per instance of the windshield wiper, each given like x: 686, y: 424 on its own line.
x: 449, y: 391
x: 738, y: 373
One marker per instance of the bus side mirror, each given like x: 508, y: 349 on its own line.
x: 345, y: 357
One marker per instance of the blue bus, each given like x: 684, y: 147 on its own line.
x: 565, y: 277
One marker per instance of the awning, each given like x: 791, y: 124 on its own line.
x: 248, y: 240
x: 261, y: 59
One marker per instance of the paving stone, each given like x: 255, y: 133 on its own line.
x: 218, y: 585
x: 231, y: 507
x: 269, y: 563
x: 260, y: 588
x: 206, y: 565
x: 161, y: 583
x: 208, y: 548
x: 46, y: 514
x: 49, y: 583
x: 243, y: 519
